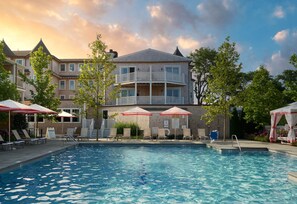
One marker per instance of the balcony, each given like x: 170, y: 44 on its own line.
x: 131, y: 100
x: 146, y: 77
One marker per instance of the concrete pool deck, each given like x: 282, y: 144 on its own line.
x: 15, y: 158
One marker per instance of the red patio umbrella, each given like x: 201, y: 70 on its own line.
x: 10, y: 105
x: 136, y: 111
x: 175, y: 112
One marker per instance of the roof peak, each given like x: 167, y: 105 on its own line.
x: 177, y: 52
x: 7, y: 51
x: 41, y: 44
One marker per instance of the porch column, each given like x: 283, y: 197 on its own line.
x: 136, y: 87
x: 165, y: 86
x: 151, y: 84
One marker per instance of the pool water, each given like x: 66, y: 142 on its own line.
x: 151, y: 174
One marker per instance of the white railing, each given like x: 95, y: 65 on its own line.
x: 146, y: 100
x: 234, y: 136
x: 150, y: 76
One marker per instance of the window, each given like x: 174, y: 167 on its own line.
x: 127, y: 92
x: 80, y: 65
x: 125, y: 70
x: 71, y: 67
x: 173, y: 70
x: 62, y: 84
x: 71, y: 84
x: 62, y: 67
x: 173, y: 92
x: 31, y: 118
x: 19, y: 61
x: 62, y: 97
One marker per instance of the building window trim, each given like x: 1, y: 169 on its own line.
x: 71, y: 67
x: 60, y: 85
x: 72, y: 86
x: 64, y: 67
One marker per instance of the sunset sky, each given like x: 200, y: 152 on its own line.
x: 265, y: 31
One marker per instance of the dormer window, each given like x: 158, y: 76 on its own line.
x: 71, y: 67
x: 62, y: 67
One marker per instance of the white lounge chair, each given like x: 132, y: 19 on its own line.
x: 83, y: 134
x: 112, y: 133
x: 161, y: 134
x: 19, y: 141
x: 187, y: 134
x: 5, y: 145
x: 202, y: 134
x: 40, y: 140
x: 127, y: 133
x: 147, y: 134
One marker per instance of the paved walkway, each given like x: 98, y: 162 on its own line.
x: 13, y: 159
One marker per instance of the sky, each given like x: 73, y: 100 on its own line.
x: 265, y: 31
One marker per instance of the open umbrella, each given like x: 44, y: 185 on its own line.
x: 175, y: 112
x: 63, y: 115
x: 10, y: 105
x: 136, y: 111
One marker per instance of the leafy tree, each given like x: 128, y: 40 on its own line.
x: 260, y: 97
x: 289, y: 80
x: 8, y: 88
x: 96, y: 80
x: 224, y: 84
x: 202, y: 60
x: 44, y: 90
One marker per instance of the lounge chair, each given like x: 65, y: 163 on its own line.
x: 127, y: 133
x: 155, y: 132
x: 5, y: 145
x: 202, y: 134
x: 83, y: 134
x: 147, y: 134
x: 19, y: 141
x: 40, y: 140
x: 70, y: 134
x: 112, y: 133
x: 161, y: 133
x: 187, y: 134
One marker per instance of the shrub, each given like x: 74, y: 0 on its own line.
x: 121, y: 125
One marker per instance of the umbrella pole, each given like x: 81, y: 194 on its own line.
x: 9, y: 126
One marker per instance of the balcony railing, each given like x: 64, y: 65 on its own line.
x: 18, y: 82
x: 130, y: 100
x: 150, y: 76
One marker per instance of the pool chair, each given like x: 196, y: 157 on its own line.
x: 40, y: 140
x: 127, y: 133
x: 83, y: 134
x: 202, y: 134
x: 19, y: 143
x: 214, y: 135
x: 161, y: 134
x: 5, y: 145
x: 154, y: 132
x: 112, y: 133
x: 187, y: 134
x: 147, y: 134
x: 70, y: 134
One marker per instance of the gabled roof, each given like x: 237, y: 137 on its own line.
x: 7, y: 51
x: 22, y: 53
x: 41, y: 44
x: 150, y: 55
x: 177, y: 52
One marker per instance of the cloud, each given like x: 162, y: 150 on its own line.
x: 279, y: 12
x: 217, y: 13
x: 279, y: 61
x: 281, y: 36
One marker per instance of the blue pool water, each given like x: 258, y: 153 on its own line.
x: 151, y: 174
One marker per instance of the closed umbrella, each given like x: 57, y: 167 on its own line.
x: 10, y: 105
x: 175, y: 112
x: 136, y: 111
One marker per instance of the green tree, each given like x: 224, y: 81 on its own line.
x: 202, y: 60
x: 44, y: 90
x: 260, y: 97
x: 289, y: 80
x: 8, y: 89
x: 224, y: 84
x: 96, y: 80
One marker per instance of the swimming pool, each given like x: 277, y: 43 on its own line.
x: 151, y: 174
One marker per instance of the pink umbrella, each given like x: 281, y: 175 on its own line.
x: 175, y: 112
x: 136, y: 111
x: 10, y: 105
